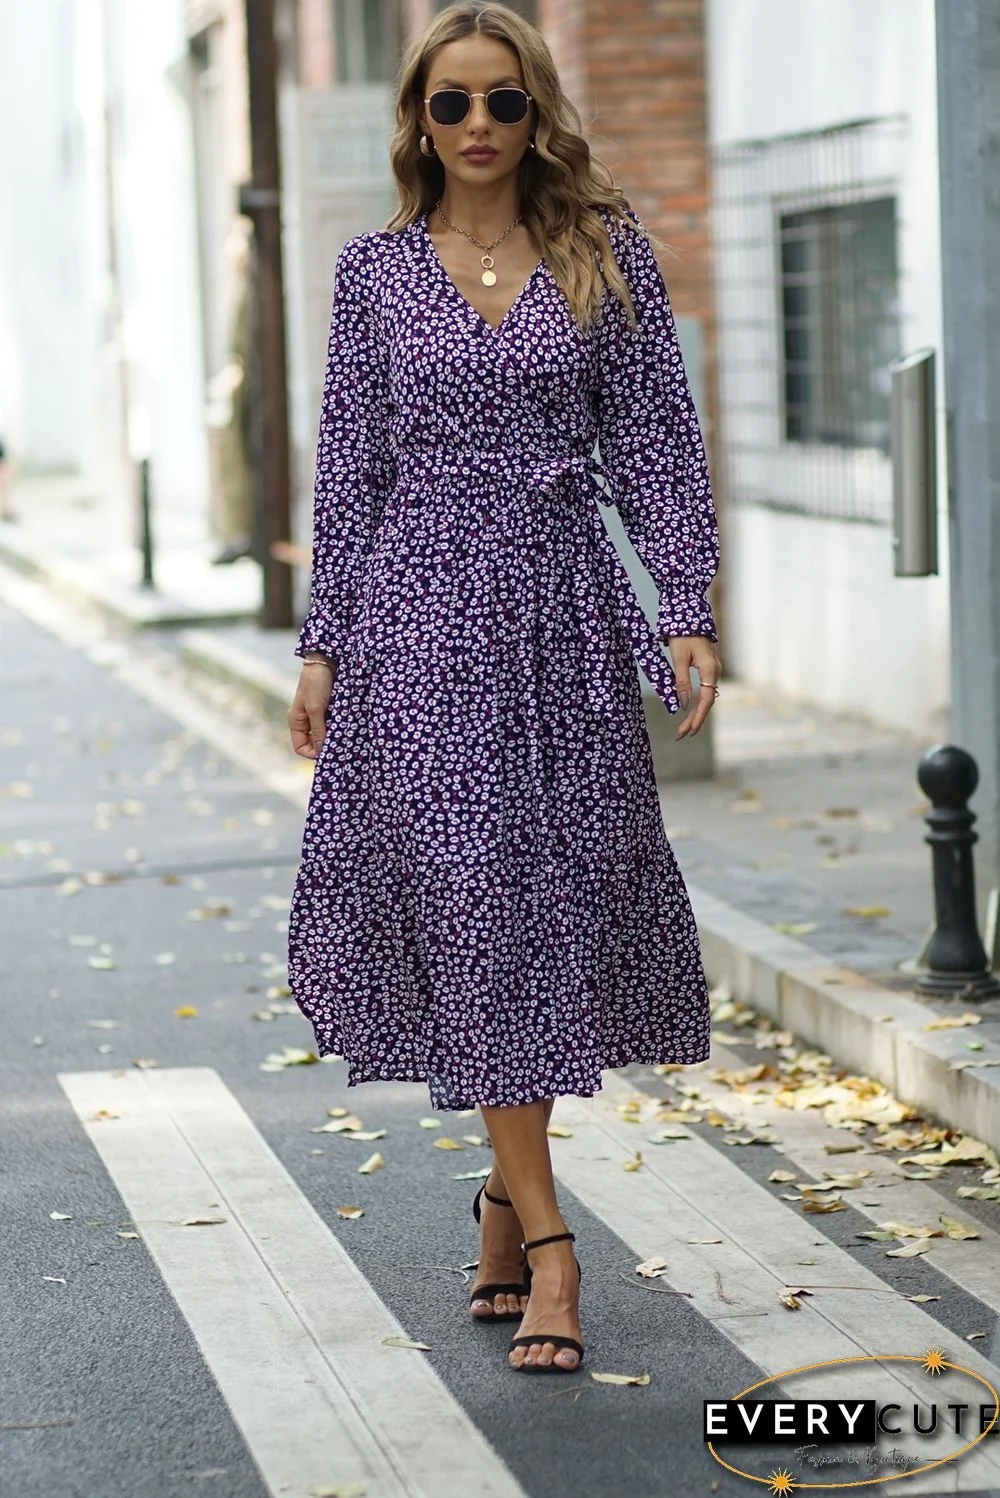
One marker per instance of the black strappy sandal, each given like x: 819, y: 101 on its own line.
x: 540, y: 1337
x: 490, y: 1292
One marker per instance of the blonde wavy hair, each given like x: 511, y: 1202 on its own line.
x: 562, y: 185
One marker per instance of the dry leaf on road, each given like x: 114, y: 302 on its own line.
x: 373, y: 1163
x: 288, y: 1056
x: 956, y: 1229
x: 620, y: 1378
x: 405, y: 1342
x: 910, y: 1251
x: 953, y: 1022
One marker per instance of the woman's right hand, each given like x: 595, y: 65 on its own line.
x: 307, y: 714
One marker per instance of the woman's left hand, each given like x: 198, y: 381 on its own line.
x: 700, y: 652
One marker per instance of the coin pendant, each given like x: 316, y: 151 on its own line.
x: 489, y: 278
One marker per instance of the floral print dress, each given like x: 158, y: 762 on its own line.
x: 486, y: 898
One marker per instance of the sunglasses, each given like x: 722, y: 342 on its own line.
x: 449, y: 106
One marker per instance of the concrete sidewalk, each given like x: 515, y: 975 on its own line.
x: 81, y: 543
x: 804, y: 854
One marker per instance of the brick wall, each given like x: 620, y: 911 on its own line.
x: 636, y: 69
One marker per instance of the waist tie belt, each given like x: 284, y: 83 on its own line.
x: 542, y: 471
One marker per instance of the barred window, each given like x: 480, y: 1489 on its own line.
x: 811, y: 295
x: 839, y: 298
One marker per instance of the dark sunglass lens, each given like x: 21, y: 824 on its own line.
x: 449, y: 106
x: 508, y: 106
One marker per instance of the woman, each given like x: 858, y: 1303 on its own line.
x: 486, y: 898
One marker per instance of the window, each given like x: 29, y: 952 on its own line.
x: 840, y: 322
x: 367, y: 40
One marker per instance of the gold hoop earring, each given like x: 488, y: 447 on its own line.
x: 427, y: 146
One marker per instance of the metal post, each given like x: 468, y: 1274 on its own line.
x: 914, y: 466
x: 145, y: 524
x: 968, y: 53
x: 956, y: 961
x: 260, y: 199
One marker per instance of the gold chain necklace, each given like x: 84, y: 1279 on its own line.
x: 489, y: 276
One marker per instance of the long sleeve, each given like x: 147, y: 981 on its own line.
x: 652, y: 449
x: 354, y: 465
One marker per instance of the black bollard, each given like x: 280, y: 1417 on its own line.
x: 956, y: 959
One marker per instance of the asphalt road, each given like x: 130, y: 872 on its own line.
x: 148, y: 842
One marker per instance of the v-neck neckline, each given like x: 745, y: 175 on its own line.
x: 490, y: 327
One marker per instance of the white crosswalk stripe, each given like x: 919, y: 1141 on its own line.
x: 886, y: 1195
x: 686, y: 1198
x: 289, y: 1327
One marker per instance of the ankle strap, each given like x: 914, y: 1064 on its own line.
x: 553, y: 1238
x: 501, y: 1201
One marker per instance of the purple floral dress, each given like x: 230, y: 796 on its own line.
x: 487, y: 899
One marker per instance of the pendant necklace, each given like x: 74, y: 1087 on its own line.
x: 489, y: 275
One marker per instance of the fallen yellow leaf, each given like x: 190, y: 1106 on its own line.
x: 956, y: 1229
x: 373, y: 1163
x: 620, y: 1378
x: 559, y: 1131
x: 908, y: 1230
x: 447, y: 1144
x: 635, y: 1163
x: 351, y: 1213
x: 954, y: 1022
x: 186, y: 1011
x: 405, y: 1342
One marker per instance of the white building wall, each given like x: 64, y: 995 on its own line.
x: 157, y: 245
x: 42, y: 336
x: 812, y: 607
x: 59, y: 381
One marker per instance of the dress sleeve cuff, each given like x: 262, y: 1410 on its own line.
x: 685, y: 612
x: 318, y: 634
